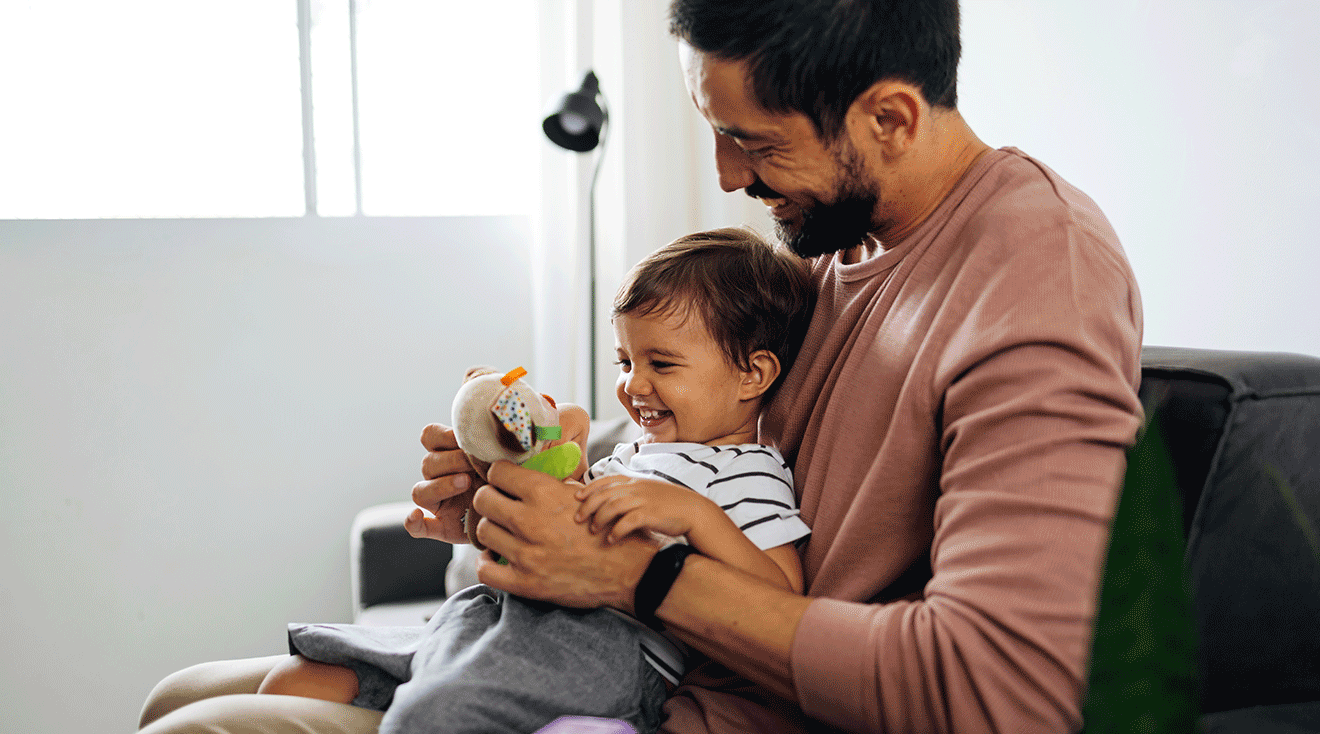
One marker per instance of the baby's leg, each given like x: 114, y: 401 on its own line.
x: 298, y: 676
x: 494, y: 662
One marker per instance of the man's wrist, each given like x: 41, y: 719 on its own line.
x: 657, y: 580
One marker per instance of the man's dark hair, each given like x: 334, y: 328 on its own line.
x: 749, y: 294
x: 817, y: 56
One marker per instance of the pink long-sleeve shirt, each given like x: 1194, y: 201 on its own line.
x: 966, y: 397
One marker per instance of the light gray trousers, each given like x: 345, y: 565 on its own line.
x: 576, y: 663
x: 488, y: 661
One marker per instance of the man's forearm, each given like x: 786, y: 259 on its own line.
x: 736, y: 619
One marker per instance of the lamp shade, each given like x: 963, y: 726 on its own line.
x: 575, y: 123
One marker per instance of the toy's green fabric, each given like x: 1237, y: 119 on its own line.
x: 558, y: 461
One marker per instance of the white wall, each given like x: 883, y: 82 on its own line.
x: 1195, y: 124
x: 191, y: 411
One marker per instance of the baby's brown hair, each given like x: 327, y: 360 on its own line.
x: 749, y: 294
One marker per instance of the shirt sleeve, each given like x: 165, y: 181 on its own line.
x: 756, y: 491
x: 1006, y: 618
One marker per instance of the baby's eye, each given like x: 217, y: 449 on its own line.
x: 623, y: 364
x: 661, y: 365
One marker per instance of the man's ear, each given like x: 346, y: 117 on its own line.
x: 891, y: 111
x: 764, y: 370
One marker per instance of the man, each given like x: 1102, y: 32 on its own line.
x: 965, y: 398
x: 957, y: 419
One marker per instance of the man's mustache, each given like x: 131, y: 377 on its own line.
x: 758, y: 190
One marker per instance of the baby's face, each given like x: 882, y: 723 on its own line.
x: 676, y: 383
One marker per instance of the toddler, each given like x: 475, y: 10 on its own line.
x: 704, y: 328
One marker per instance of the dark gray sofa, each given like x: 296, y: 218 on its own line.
x: 1235, y: 423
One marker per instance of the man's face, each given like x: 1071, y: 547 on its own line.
x: 846, y: 221
x: 821, y: 197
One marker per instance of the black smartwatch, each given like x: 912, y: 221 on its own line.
x: 657, y: 580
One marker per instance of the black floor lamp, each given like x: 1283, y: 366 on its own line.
x: 579, y: 123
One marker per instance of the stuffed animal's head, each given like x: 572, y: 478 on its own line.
x: 500, y: 417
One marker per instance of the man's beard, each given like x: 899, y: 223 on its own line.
x: 841, y: 225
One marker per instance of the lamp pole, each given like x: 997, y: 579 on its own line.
x: 579, y: 123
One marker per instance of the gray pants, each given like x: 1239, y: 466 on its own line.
x: 492, y: 662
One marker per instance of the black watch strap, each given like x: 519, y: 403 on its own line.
x: 656, y: 581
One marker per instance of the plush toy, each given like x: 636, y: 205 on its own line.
x: 501, y: 418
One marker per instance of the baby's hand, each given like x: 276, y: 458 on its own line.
x: 575, y: 425
x: 625, y: 505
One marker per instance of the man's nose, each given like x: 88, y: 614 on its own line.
x: 731, y: 164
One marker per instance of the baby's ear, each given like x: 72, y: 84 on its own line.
x: 763, y: 370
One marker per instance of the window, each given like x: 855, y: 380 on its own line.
x: 448, y: 107
x: 157, y: 108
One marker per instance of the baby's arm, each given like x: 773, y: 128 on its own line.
x: 625, y: 505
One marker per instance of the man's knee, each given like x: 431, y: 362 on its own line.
x: 205, y: 680
x: 262, y: 714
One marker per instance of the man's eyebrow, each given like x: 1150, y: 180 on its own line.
x: 738, y: 133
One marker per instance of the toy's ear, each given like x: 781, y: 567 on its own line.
x: 508, y: 440
x: 478, y: 371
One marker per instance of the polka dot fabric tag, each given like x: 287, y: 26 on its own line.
x: 512, y: 412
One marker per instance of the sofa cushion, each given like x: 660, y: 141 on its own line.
x: 1296, y: 718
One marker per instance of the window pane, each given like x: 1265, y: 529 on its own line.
x: 332, y: 108
x: 150, y: 108
x: 448, y: 107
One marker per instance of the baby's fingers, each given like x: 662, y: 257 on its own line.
x: 626, y: 525
x: 588, y: 507
x: 592, y: 496
x: 597, y: 486
x: 613, y: 509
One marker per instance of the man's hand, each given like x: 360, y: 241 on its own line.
x: 530, y: 520
x: 447, y: 491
